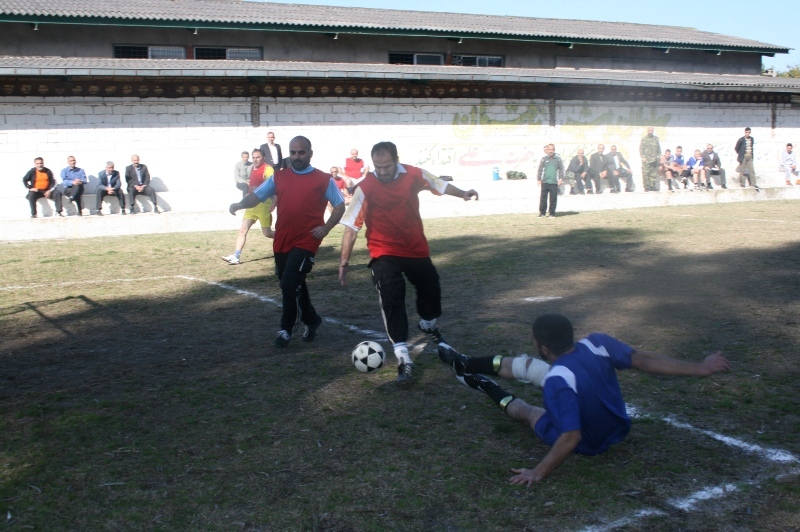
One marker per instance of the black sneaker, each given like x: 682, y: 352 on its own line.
x: 434, y: 333
x: 710, y: 186
x: 478, y: 381
x: 283, y: 339
x: 311, y: 330
x: 405, y: 373
x: 455, y: 360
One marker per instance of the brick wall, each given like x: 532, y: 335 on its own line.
x: 191, y: 144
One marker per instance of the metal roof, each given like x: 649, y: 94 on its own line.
x: 189, y: 68
x: 299, y: 17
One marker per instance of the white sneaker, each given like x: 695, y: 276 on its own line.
x: 231, y: 259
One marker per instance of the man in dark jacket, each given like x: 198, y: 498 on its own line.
x: 598, y: 169
x: 41, y: 184
x: 138, y: 178
x: 110, y: 185
x: 745, y: 148
x: 273, y: 154
x: 578, y: 171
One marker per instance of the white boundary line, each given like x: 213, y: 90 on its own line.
x: 686, y: 503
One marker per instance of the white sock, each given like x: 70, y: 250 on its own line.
x: 401, y: 352
x: 428, y: 325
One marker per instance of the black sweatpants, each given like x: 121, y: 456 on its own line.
x: 291, y: 269
x: 387, y: 275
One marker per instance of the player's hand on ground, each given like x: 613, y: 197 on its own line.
x: 716, y: 363
x: 525, y: 476
x: 469, y: 194
x: 233, y: 208
x: 319, y: 232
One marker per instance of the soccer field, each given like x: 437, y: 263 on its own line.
x: 140, y: 389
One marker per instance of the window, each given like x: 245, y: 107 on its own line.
x: 251, y: 54
x: 478, y: 60
x: 403, y: 58
x: 126, y: 51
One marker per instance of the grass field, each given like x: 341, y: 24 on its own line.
x: 140, y: 389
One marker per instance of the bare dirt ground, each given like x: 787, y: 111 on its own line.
x: 140, y: 390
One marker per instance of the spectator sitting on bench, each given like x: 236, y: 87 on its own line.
x: 41, y: 184
x: 110, y: 185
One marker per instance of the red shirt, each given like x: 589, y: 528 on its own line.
x: 353, y: 168
x: 340, y: 184
x: 391, y: 213
x: 301, y: 206
x: 259, y: 174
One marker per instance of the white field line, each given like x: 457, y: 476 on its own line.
x: 264, y: 299
x: 705, y: 494
x: 625, y: 521
x: 541, y: 299
x: 90, y: 281
x: 765, y: 220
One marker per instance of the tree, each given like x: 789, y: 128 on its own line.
x: 793, y: 72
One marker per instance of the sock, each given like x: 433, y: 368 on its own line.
x: 428, y: 325
x: 401, y: 352
x: 484, y: 365
x: 238, y: 253
x: 497, y: 394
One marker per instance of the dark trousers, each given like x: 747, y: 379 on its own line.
x: 75, y: 193
x: 147, y: 191
x: 291, y: 269
x: 613, y: 180
x: 723, y: 180
x: 551, y: 191
x: 102, y: 193
x: 387, y: 275
x: 598, y: 183
x: 55, y: 195
x: 244, y: 187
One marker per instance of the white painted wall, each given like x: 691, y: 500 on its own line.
x: 191, y: 144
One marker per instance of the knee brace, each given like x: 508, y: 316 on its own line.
x: 529, y: 369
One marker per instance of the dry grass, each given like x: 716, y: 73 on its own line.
x: 134, y: 399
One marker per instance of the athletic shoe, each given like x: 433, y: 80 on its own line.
x: 710, y: 186
x: 60, y: 214
x: 478, y: 381
x: 283, y: 339
x: 455, y: 360
x: 231, y: 259
x: 405, y: 373
x: 434, y: 333
x: 311, y: 330
x: 541, y: 215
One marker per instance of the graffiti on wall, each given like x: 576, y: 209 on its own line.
x: 480, y: 120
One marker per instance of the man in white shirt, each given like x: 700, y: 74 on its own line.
x: 788, y: 162
x: 272, y: 152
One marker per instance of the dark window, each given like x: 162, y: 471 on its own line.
x: 210, y: 53
x: 250, y: 54
x: 478, y: 60
x: 124, y: 51
x: 403, y: 58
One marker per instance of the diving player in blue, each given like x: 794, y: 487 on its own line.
x: 583, y: 407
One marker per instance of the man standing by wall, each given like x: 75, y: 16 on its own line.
x: 41, y: 184
x: 302, y: 193
x: 72, y: 181
x: 650, y: 152
x: 744, y: 150
x: 550, y: 175
x: 272, y: 152
x: 387, y: 202
x: 241, y: 173
x: 138, y: 178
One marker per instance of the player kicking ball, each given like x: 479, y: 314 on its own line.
x: 583, y: 407
x: 387, y: 202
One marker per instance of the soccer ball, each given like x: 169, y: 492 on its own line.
x: 368, y: 356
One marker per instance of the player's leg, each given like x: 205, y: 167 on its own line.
x: 265, y: 219
x: 241, y: 240
x: 524, y: 368
x: 422, y: 275
x: 296, y: 301
x: 387, y: 276
x: 513, y: 406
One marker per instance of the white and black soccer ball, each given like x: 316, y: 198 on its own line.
x: 368, y: 356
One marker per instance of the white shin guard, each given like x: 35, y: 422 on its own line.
x: 528, y: 369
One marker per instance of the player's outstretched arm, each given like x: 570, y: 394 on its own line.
x: 466, y: 195
x: 658, y: 364
x: 249, y: 201
x: 562, y: 448
x: 348, y: 241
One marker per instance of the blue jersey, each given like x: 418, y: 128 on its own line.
x: 581, y: 392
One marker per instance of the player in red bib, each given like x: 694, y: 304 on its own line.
x: 387, y: 201
x: 302, y: 194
